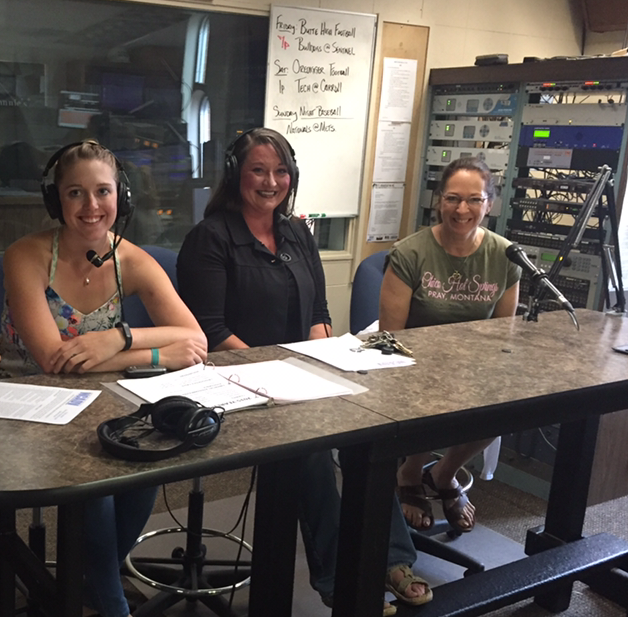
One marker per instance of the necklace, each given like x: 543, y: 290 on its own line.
x: 462, y: 261
x: 456, y: 274
x: 86, y: 280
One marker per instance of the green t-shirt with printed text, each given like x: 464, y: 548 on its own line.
x: 450, y: 289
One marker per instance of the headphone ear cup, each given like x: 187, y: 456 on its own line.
x: 125, y: 206
x: 232, y: 172
x: 295, y: 180
x: 52, y: 201
x: 198, y: 425
x: 167, y: 413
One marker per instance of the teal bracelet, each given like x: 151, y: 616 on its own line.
x: 154, y: 356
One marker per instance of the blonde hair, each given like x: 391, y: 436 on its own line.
x: 85, y: 151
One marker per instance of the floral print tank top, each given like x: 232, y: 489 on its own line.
x: 17, y: 360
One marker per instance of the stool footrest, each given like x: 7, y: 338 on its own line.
x: 528, y: 577
x: 187, y: 579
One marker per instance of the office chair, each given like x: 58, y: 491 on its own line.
x: 134, y: 312
x: 364, y: 310
x: 367, y: 283
x: 182, y: 576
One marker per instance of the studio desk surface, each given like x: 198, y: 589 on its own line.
x: 471, y: 380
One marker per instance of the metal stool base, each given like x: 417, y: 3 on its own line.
x: 188, y: 580
x: 183, y: 591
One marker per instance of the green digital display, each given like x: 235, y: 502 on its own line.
x: 541, y: 133
x: 548, y: 257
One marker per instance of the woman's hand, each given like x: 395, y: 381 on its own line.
x: 182, y: 354
x: 82, y: 353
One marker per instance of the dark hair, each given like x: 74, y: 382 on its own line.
x: 227, y: 195
x: 466, y: 164
x: 85, y: 151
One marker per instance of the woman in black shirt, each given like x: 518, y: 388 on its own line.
x: 252, y: 275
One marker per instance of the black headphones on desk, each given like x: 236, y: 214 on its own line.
x: 174, y: 416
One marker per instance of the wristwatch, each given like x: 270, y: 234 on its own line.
x: 126, y: 333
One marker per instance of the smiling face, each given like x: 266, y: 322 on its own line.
x: 264, y: 181
x: 88, y: 195
x: 464, y: 203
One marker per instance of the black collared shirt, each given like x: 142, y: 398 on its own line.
x: 234, y: 285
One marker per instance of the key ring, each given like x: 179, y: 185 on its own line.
x: 386, y: 343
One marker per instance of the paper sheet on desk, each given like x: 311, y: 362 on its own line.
x: 200, y: 383
x: 43, y: 403
x: 289, y: 381
x: 244, y: 385
x: 341, y: 353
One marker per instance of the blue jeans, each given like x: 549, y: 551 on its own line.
x: 112, y: 525
x: 319, y: 517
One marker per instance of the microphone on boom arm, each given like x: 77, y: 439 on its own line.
x: 518, y: 256
x: 95, y: 259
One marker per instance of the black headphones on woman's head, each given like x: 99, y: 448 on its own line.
x: 50, y: 191
x: 174, y: 416
x: 232, y: 167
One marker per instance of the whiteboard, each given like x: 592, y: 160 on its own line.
x: 317, y: 95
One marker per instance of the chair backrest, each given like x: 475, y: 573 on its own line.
x: 367, y: 284
x: 135, y: 313
x: 1, y: 284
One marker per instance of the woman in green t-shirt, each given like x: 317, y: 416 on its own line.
x: 454, y: 271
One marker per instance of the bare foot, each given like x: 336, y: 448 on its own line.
x: 416, y: 517
x: 459, y: 506
x: 416, y: 509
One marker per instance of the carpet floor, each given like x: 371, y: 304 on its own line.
x: 501, y: 508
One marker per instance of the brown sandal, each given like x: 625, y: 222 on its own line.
x: 454, y: 511
x: 414, y: 495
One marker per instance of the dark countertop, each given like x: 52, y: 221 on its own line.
x: 473, y: 365
x: 484, y: 375
x: 42, y: 464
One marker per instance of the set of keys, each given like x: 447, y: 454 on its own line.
x: 386, y: 343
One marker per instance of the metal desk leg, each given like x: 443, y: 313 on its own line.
x: 367, y: 494
x: 274, y: 539
x: 70, y: 560
x: 7, y: 568
x: 567, y: 502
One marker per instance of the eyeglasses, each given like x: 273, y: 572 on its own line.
x: 455, y: 201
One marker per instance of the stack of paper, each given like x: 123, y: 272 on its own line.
x: 200, y: 383
x: 345, y: 352
x: 283, y: 381
x: 43, y: 403
x: 243, y: 385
